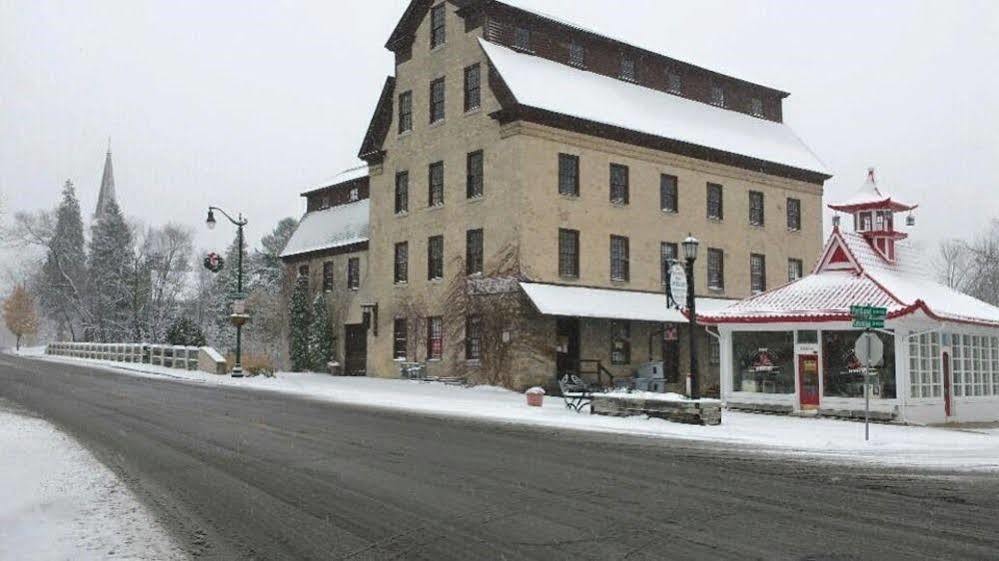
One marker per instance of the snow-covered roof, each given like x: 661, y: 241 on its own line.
x: 349, y: 174
x: 547, y: 85
x: 330, y: 228
x: 606, y: 303
x: 902, y: 287
x: 870, y: 196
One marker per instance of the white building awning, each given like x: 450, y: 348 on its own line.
x: 605, y: 303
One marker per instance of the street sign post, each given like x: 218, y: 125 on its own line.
x: 869, y: 350
x: 868, y: 317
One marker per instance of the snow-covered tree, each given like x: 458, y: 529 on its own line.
x: 19, y: 314
x: 167, y: 254
x: 298, y: 338
x: 62, y: 283
x: 223, y: 333
x: 185, y: 332
x: 111, y: 278
x: 320, y: 334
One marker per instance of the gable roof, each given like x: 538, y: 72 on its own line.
x: 864, y: 278
x: 542, y: 84
x: 348, y: 175
x: 378, y: 127
x: 332, y: 228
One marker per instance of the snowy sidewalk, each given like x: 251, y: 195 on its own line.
x: 826, y: 439
x: 57, y: 503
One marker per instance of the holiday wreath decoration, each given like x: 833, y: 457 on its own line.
x: 214, y: 262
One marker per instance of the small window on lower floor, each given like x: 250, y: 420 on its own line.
x: 400, y: 339
x: 473, y: 337
x: 435, y: 338
x: 620, y: 342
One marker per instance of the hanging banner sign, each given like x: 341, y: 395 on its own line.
x: 676, y: 287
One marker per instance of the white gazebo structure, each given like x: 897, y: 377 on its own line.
x: 791, y: 348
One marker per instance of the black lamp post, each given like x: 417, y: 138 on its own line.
x: 237, y: 318
x: 690, y: 254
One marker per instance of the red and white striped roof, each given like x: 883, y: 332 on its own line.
x: 871, y: 197
x: 849, y: 273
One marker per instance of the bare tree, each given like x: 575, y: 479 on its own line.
x: 951, y: 263
x: 494, y: 330
x: 19, y: 314
x: 983, y: 265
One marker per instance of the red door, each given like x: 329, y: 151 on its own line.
x: 946, y: 382
x: 808, y: 381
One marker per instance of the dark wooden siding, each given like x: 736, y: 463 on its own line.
x: 336, y: 195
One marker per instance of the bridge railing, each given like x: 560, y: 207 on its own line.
x: 171, y: 356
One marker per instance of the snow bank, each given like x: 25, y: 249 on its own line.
x: 827, y: 439
x: 58, y: 503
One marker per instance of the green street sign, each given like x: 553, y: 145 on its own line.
x: 868, y: 317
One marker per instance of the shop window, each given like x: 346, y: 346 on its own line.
x: 925, y: 366
x: 973, y: 365
x: 620, y: 342
x: 843, y: 374
x: 763, y: 362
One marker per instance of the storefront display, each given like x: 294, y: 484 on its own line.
x: 763, y: 362
x: 843, y: 374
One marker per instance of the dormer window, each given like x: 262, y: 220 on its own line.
x: 324, y: 202
x: 577, y: 54
x: 717, y: 96
x: 756, y: 107
x: 437, y: 30
x: 354, y: 194
x: 522, y: 38
x: 674, y: 84
x: 627, y: 68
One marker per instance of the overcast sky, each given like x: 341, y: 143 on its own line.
x: 245, y: 104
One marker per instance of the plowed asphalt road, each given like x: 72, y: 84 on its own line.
x: 238, y: 474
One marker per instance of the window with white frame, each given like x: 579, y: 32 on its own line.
x: 995, y: 365
x: 924, y: 366
x: 974, y: 365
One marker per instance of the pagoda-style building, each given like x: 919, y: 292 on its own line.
x: 791, y: 348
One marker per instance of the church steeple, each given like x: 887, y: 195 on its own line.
x: 106, y: 195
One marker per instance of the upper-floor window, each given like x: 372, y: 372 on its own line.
x: 303, y: 270
x: 401, y: 192
x: 522, y: 38
x: 354, y: 194
x: 716, y: 210
x: 437, y: 100
x: 795, y: 269
x: 716, y: 269
x: 354, y: 273
x: 435, y: 258
x: 473, y: 251
x: 435, y: 195
x: 435, y: 338
x: 757, y: 272
x: 473, y: 88
x: 669, y: 200
x: 674, y: 83
x: 324, y: 202
x: 668, y: 253
x: 399, y: 338
x: 717, y: 96
x: 756, y: 107
x: 568, y: 253
x: 405, y: 112
x: 756, y: 208
x: 577, y: 54
x: 620, y: 342
x: 401, y: 265
x: 619, y: 260
x: 328, y: 276
x: 619, y: 184
x: 568, y: 175
x: 628, y: 68
x: 474, y: 180
x: 438, y: 32
x: 794, y: 214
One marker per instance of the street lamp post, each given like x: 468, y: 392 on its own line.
x: 237, y: 369
x: 690, y: 254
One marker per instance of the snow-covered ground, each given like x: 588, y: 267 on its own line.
x: 829, y: 439
x: 58, y: 503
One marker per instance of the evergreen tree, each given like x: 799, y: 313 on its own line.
x: 320, y: 335
x: 111, y: 276
x: 268, y: 268
x: 63, y: 277
x: 185, y: 332
x: 298, y: 344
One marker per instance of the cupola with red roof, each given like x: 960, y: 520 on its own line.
x: 874, y: 216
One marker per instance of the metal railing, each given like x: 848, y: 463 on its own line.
x: 170, y: 356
